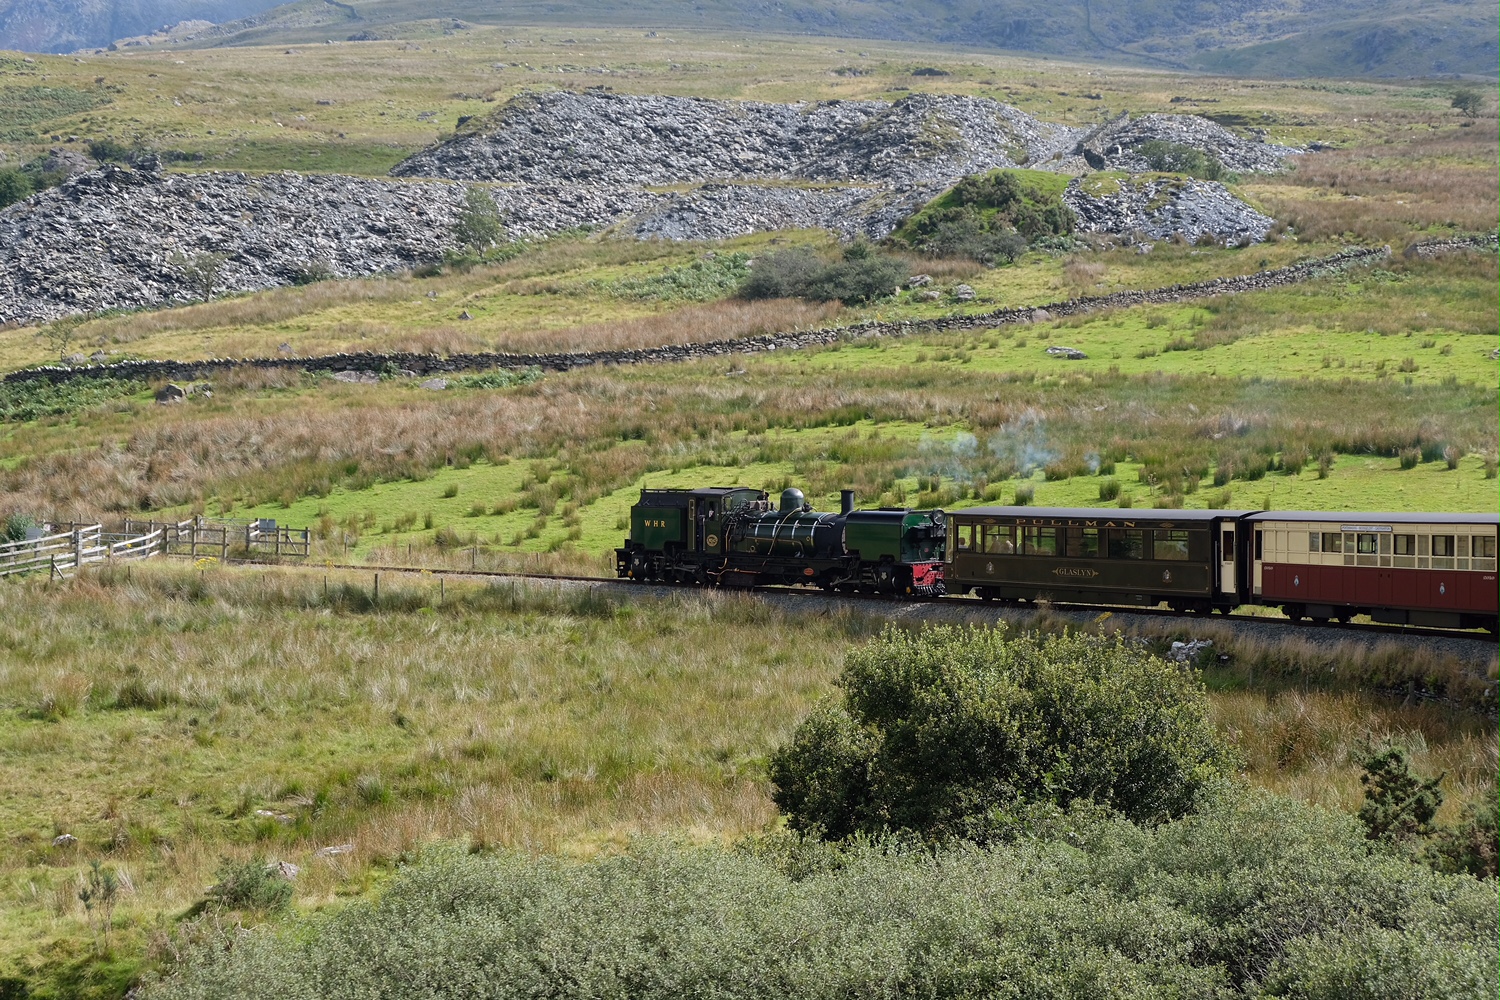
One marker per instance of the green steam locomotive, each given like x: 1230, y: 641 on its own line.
x: 733, y: 537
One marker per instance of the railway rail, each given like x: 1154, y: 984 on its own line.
x: 1354, y: 628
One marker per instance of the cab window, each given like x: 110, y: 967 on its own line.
x: 965, y: 537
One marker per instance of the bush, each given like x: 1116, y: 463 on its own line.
x: 860, y: 275
x: 1255, y: 896
x: 1398, y: 805
x: 950, y: 732
x: 16, y: 527
x: 1109, y: 489
x: 1025, y: 493
x: 989, y: 218
x: 1175, y: 158
x: 249, y: 885
x: 14, y: 186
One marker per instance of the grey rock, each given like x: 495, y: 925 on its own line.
x: 1041, y: 316
x: 1188, y: 652
x: 919, y: 281
x: 964, y: 293
x: 64, y: 840
x: 171, y: 393
x: 357, y: 378
x: 436, y: 384
x: 1067, y: 353
x: 1163, y: 207
x: 333, y: 850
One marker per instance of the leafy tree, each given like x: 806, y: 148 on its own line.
x: 14, y: 186
x: 1468, y: 101
x: 1398, y: 805
x: 781, y: 274
x: 60, y: 333
x: 956, y: 733
x: 203, y: 273
x: 479, y: 225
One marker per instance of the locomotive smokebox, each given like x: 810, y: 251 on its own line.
x: 792, y: 501
x: 846, y: 502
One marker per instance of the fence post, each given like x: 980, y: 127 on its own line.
x: 224, y: 544
x: 77, y: 547
x: 52, y: 573
x: 278, y: 541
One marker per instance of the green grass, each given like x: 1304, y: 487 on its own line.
x: 155, y: 714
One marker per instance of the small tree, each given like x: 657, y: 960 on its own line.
x: 955, y: 732
x: 60, y: 333
x: 1398, y: 805
x: 479, y: 225
x: 14, y: 185
x: 98, y: 894
x: 203, y: 273
x: 1468, y: 101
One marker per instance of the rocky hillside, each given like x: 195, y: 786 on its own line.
x: 123, y: 238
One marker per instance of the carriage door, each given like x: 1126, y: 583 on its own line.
x: 1256, y: 563
x: 1227, y: 582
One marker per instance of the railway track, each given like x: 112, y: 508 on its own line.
x: 1354, y: 628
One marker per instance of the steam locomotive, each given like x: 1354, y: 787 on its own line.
x: 734, y: 537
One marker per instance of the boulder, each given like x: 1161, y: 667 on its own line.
x: 171, y: 393
x: 1067, y: 353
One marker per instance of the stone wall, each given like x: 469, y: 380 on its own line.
x: 432, y: 364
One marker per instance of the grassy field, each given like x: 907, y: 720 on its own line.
x: 172, y: 716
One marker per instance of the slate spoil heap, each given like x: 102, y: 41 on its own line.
x: 117, y: 237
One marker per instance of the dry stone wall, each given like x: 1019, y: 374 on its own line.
x: 366, y: 366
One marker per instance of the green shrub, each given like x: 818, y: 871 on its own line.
x: 249, y: 885
x: 711, y: 276
x: 989, y: 218
x: 14, y: 186
x: 1175, y: 158
x: 1109, y: 489
x: 1398, y: 805
x: 948, y: 732
x: 1256, y: 895
x: 1025, y: 493
x: 860, y: 275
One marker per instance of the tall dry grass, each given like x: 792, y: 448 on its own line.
x: 1393, y: 193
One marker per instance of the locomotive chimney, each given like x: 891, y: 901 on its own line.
x: 846, y: 501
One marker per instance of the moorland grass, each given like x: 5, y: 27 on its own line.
x: 170, y: 715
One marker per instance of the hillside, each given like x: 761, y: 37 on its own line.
x: 1251, y: 37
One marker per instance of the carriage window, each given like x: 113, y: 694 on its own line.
x: 1484, y: 552
x: 1331, y: 540
x: 965, y: 537
x: 1127, y: 543
x: 1366, y: 544
x: 1313, y: 538
x: 1170, y: 545
x: 1443, y: 548
x: 1405, y: 547
x: 1083, y: 543
x: 1229, y: 546
x: 999, y: 540
x: 1039, y: 541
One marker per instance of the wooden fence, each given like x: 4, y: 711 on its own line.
x: 64, y: 548
x: 223, y: 537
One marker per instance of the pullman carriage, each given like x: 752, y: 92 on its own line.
x: 1405, y: 569
x: 1185, y: 558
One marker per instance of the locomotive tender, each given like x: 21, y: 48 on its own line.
x: 733, y: 537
